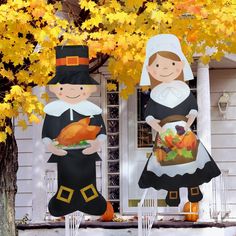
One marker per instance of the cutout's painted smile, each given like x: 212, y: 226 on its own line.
x: 166, y: 75
x: 73, y: 97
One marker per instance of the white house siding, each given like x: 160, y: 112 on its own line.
x: 24, y: 174
x: 224, y: 130
x: 25, y: 141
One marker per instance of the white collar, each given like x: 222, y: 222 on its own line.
x: 170, y: 94
x: 85, y: 108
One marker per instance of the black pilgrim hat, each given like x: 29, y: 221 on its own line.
x: 72, y: 66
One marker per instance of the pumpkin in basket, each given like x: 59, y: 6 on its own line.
x: 109, y: 213
x: 191, y: 207
x: 169, y: 141
x: 188, y: 141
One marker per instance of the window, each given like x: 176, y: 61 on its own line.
x: 193, y: 87
x: 144, y: 130
x: 113, y: 164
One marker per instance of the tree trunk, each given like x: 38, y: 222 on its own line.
x: 8, y: 188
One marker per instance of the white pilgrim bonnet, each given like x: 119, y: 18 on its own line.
x: 164, y: 42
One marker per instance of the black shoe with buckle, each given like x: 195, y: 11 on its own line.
x: 172, y: 198
x: 194, y: 194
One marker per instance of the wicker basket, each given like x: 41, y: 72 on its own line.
x: 161, y: 156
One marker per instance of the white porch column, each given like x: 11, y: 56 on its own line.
x: 204, y: 132
x: 38, y: 169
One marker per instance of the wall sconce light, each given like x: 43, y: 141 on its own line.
x: 223, y: 104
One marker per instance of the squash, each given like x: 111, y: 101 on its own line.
x: 194, y: 209
x: 169, y: 141
x: 160, y: 155
x: 109, y: 213
x: 188, y: 141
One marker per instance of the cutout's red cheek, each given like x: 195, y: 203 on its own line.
x: 60, y: 94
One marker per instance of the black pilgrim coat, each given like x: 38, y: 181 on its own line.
x: 77, y: 188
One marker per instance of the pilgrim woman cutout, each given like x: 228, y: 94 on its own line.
x: 179, y: 159
x: 73, y: 132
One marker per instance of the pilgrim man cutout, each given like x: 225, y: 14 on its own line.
x: 73, y: 132
x: 179, y: 159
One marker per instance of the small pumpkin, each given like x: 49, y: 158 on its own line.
x: 109, y: 213
x: 191, y: 207
x: 169, y: 141
x: 189, y: 141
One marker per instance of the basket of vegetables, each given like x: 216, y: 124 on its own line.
x: 175, y: 147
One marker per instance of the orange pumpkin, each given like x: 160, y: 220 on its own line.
x: 191, y: 207
x: 109, y: 213
x: 189, y: 141
x: 169, y: 141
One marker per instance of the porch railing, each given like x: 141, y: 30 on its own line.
x: 224, y: 194
x: 147, y: 212
x: 51, y: 188
x: 220, y: 206
x: 72, y: 223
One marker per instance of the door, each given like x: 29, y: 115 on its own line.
x: 136, y: 146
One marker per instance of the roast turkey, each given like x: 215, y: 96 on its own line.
x: 77, y: 131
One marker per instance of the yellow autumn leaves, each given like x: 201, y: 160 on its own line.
x: 29, y: 32
x: 120, y: 29
x: 20, y: 101
x: 125, y: 26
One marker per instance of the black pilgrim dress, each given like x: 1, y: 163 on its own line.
x: 172, y: 177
